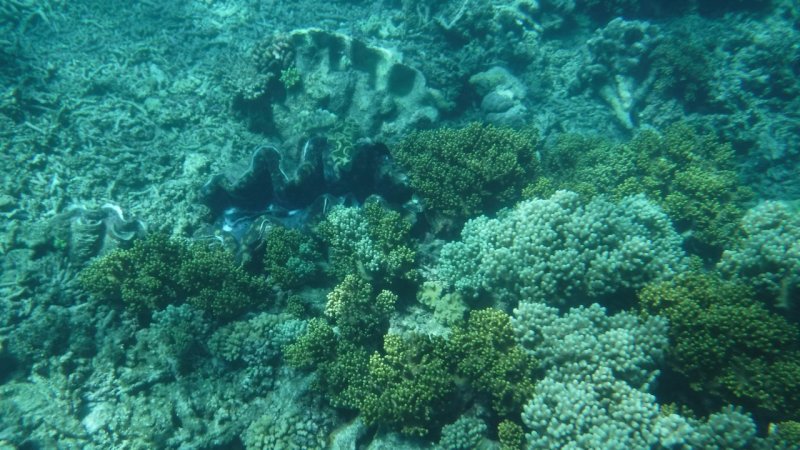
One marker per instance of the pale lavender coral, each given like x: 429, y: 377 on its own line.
x: 598, y: 371
x: 768, y: 255
x: 594, y: 410
x: 558, y: 249
x: 585, y: 339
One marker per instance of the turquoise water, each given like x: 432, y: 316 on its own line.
x: 466, y: 224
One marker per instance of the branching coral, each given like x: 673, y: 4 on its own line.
x: 372, y: 242
x: 409, y: 385
x: 158, y: 271
x: 728, y: 344
x: 290, y: 257
x: 559, y: 250
x: 766, y: 254
x: 338, y: 346
x: 586, y: 338
x: 473, y: 170
x: 689, y: 174
x: 359, y: 315
x: 594, y: 394
x: 486, y: 354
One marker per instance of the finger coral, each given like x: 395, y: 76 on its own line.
x: 560, y: 250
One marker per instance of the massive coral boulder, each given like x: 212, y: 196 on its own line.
x: 313, y: 81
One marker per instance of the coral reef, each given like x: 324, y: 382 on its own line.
x: 448, y: 308
x: 727, y: 344
x: 561, y: 251
x: 172, y: 340
x: 682, y: 68
x: 158, y: 271
x: 314, y: 292
x: 766, y: 254
x: 372, y: 242
x: 467, y: 171
x: 258, y: 341
x: 502, y: 94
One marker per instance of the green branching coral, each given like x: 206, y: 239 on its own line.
x: 372, y: 242
x: 316, y: 346
x: 689, y: 174
x: 290, y: 257
x: 141, y: 277
x: 682, y: 67
x: 340, y: 367
x: 511, y: 435
x: 487, y: 355
x: 468, y: 171
x: 338, y: 346
x: 727, y: 343
x: 359, y: 315
x: 215, y: 284
x: 787, y: 435
x: 158, y: 271
x: 345, y: 378
x: 409, y: 385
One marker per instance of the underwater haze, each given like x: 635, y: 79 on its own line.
x: 400, y: 224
